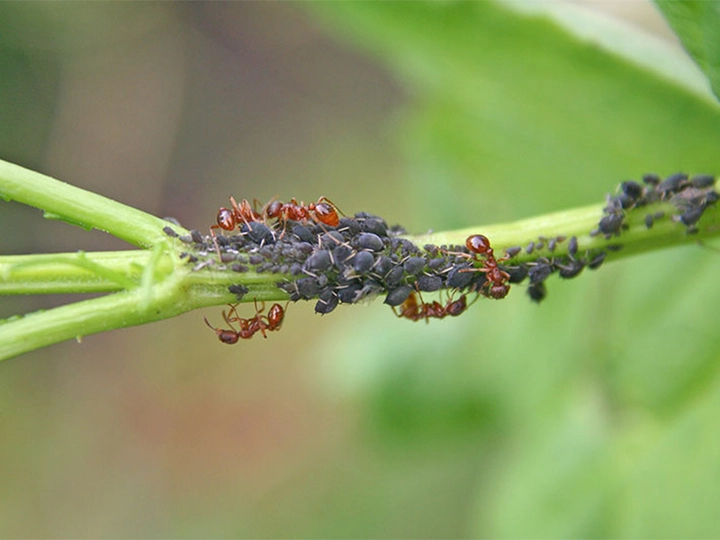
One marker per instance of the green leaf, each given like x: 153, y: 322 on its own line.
x: 697, y: 24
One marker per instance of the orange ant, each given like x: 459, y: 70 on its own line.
x: 323, y: 211
x: 229, y: 218
x: 497, y: 280
x: 410, y: 309
x: 251, y: 326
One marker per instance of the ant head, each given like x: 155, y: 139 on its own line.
x: 226, y: 219
x: 478, y: 243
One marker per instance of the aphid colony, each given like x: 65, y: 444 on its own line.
x: 690, y: 197
x: 334, y: 260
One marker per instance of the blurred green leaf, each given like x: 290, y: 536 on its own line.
x: 697, y: 24
x: 573, y: 406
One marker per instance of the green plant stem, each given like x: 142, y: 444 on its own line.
x: 152, y: 284
x: 80, y: 207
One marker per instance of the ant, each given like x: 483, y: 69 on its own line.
x: 410, y: 309
x: 323, y: 211
x: 229, y: 218
x: 251, y: 326
x: 479, y: 244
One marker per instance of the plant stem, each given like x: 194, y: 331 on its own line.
x: 158, y: 283
x: 79, y: 207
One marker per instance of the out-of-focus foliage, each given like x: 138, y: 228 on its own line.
x: 586, y: 412
x: 697, y: 24
x: 591, y: 415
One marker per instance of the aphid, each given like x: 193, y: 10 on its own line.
x: 349, y: 294
x: 512, y: 251
x: 571, y: 269
x: 597, y: 260
x: 573, y: 246
x: 414, y: 265
x: 702, y: 180
x: 238, y: 290
x: 394, y: 276
x: 672, y: 183
x: 327, y: 302
x: 196, y: 237
x: 398, y: 295
x: 170, y: 232
x: 320, y: 261
x: 429, y: 283
x: 692, y: 215
x: 537, y: 292
x: 632, y: 189
x: 530, y: 248
x: 363, y: 261
x: 649, y: 221
x: 459, y: 277
x: 368, y: 241
x: 258, y: 232
x: 382, y: 266
x: 611, y: 224
x: 651, y: 179
x: 539, y: 272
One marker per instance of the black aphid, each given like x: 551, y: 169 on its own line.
x: 363, y: 261
x: 459, y: 277
x: 414, y: 265
x: 369, y: 241
x: 611, y: 224
x: 398, y: 295
x: 512, y: 251
x: 573, y: 246
x: 427, y: 283
x: 537, y: 292
x: 327, y: 302
x: 632, y: 189
x: 692, y: 215
x: 238, y: 290
x: 196, y: 236
x: 702, y: 181
x: 258, y: 232
x: 539, y: 272
x: 319, y: 261
x: 570, y: 269
x: 382, y: 266
x: 597, y: 260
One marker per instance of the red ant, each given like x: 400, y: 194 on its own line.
x: 497, y: 279
x: 229, y: 218
x: 410, y: 309
x: 249, y: 327
x: 323, y: 211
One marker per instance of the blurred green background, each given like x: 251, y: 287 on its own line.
x: 591, y: 415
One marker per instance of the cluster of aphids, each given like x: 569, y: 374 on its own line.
x: 690, y: 196
x: 334, y: 260
x: 325, y: 256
